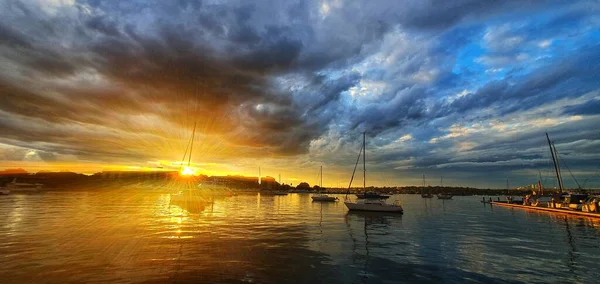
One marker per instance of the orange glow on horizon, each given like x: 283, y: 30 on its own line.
x: 189, y: 171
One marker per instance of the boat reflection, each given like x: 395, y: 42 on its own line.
x: 193, y: 206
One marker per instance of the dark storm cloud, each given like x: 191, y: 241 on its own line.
x: 588, y: 108
x: 224, y: 65
x: 102, y: 25
x: 402, y: 108
x: 12, y: 38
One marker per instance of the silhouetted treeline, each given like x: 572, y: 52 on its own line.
x: 159, y: 179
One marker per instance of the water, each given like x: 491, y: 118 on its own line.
x: 124, y: 236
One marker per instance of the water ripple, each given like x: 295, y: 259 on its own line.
x: 124, y: 236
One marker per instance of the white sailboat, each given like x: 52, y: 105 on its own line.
x: 321, y: 196
x: 374, y: 205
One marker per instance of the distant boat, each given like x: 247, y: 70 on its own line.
x: 321, y: 196
x: 444, y: 196
x: 4, y: 191
x: 324, y: 197
x: 423, y: 194
x: 278, y: 192
x: 15, y: 186
x: 366, y: 204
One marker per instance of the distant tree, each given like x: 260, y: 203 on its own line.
x: 303, y: 185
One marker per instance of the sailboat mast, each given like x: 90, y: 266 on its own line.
x: 192, y: 145
x: 259, y: 175
x: 558, y: 165
x: 555, y: 161
x: 541, y: 188
x: 321, y: 184
x: 364, y: 162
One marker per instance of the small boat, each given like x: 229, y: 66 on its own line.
x: 321, y: 196
x: 374, y: 206
x: 324, y: 197
x: 4, y: 191
x: 280, y: 193
x: 444, y: 196
x: 15, y: 186
x: 367, y: 204
x: 371, y: 195
x: 423, y: 194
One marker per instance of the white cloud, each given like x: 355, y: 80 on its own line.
x: 545, y: 43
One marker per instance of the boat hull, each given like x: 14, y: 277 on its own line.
x: 4, y: 191
x: 372, y: 196
x: 373, y: 207
x: 324, y: 199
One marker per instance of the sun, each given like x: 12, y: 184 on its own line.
x: 189, y: 171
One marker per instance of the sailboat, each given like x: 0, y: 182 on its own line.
x: 423, y: 194
x: 375, y: 205
x: 280, y: 192
x: 572, y: 201
x: 443, y: 195
x: 190, y: 192
x: 321, y: 196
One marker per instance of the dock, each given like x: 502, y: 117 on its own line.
x: 553, y: 210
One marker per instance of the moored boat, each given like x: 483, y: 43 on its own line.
x: 423, y: 194
x: 15, y: 186
x: 366, y: 204
x: 444, y: 196
x: 371, y: 195
x: 323, y: 197
x: 374, y: 206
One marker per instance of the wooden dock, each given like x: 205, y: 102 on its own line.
x: 553, y: 210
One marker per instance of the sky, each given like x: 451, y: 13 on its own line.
x: 460, y: 91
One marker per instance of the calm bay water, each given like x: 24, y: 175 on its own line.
x: 129, y: 235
